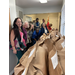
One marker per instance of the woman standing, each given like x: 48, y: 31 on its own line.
x: 17, y: 42
x: 44, y: 29
x: 30, y: 32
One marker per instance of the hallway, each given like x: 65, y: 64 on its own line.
x: 29, y: 10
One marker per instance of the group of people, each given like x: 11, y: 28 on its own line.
x: 25, y: 35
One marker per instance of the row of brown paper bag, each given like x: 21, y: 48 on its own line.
x: 39, y: 62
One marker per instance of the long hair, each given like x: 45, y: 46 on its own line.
x: 16, y: 29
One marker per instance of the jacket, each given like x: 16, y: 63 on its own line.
x: 43, y: 30
x: 36, y: 35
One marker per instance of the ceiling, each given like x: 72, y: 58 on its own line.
x: 36, y: 3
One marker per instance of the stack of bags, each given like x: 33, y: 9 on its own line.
x: 46, y: 57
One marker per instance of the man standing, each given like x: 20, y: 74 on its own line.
x: 43, y: 21
x: 37, y: 24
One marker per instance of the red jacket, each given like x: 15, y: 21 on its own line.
x: 48, y: 26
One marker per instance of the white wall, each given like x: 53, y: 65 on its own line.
x: 34, y: 10
x: 12, y: 61
x: 62, y: 27
x: 12, y: 7
x: 12, y: 57
x: 19, y: 9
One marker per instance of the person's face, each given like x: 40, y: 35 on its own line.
x: 19, y: 23
x: 32, y: 26
x: 34, y: 21
x: 43, y: 21
x: 26, y: 25
x: 50, y: 24
x: 38, y: 20
x: 37, y: 30
x: 43, y: 25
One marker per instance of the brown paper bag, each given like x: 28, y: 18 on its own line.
x: 18, y: 69
x: 61, y: 55
x: 58, y: 69
x: 58, y: 33
x: 53, y: 34
x: 38, y: 63
x: 56, y: 38
x: 26, y: 54
x: 24, y: 61
x: 48, y: 45
x: 30, y: 58
x: 60, y: 44
x: 31, y: 70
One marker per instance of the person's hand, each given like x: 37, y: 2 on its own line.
x: 30, y: 41
x: 47, y: 33
x: 49, y: 25
x: 15, y: 51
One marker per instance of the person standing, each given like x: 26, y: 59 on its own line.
x: 44, y: 29
x: 34, y: 24
x: 25, y: 29
x: 43, y: 21
x: 17, y: 42
x: 49, y: 25
x: 31, y: 29
x: 37, y: 24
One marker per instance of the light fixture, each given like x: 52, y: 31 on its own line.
x: 43, y: 1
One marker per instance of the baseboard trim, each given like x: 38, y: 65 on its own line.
x: 11, y: 72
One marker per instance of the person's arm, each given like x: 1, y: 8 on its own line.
x: 12, y: 36
x: 41, y: 31
x: 35, y: 39
x: 25, y: 34
x: 33, y: 36
x: 47, y: 30
x: 39, y: 34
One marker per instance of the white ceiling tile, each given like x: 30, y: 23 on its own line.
x: 36, y: 3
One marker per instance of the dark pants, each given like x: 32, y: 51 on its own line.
x: 28, y: 46
x: 34, y: 42
x: 19, y: 55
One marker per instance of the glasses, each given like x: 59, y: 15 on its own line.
x: 19, y: 22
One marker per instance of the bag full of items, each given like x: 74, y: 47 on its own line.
x: 46, y: 57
